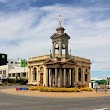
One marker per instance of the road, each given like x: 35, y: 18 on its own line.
x: 14, y: 102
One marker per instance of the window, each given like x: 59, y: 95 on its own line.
x: 0, y: 72
x: 35, y: 73
x: 86, y: 70
x: 4, y: 71
x: 18, y: 74
x: 3, y: 56
x: 9, y: 75
x: 11, y: 62
x: 13, y: 74
x: 24, y: 74
x: 16, y: 62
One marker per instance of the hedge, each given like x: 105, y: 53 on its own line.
x: 51, y: 89
x: 21, y: 81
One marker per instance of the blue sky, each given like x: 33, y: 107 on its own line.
x: 26, y: 27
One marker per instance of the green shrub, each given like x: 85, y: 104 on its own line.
x: 48, y: 89
x: 86, y: 89
x: 21, y: 81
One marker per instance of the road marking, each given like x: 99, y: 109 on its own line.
x: 101, y: 109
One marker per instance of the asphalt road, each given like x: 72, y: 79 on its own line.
x: 14, y: 102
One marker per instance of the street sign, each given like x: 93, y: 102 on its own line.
x: 21, y: 88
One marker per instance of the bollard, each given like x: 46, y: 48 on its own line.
x: 96, y: 89
x: 105, y: 91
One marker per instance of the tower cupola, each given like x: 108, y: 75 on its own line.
x: 60, y: 41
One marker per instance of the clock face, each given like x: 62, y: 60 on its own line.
x: 56, y: 46
x: 63, y: 45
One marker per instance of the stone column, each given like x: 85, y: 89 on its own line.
x: 66, y: 51
x: 37, y: 75
x: 27, y: 75
x: 21, y: 75
x: 64, y: 77
x: 50, y: 78
x: 31, y: 74
x: 73, y: 77
x: 60, y: 78
x: 53, y: 50
x: 15, y: 74
x: 56, y: 77
x: 70, y: 77
x: 45, y: 77
x: 83, y: 75
x: 60, y: 49
x: 76, y: 74
x: 89, y: 75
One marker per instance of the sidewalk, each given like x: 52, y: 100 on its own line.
x: 55, y: 94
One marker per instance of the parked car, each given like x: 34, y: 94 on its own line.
x: 108, y: 86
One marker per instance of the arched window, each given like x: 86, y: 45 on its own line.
x: 79, y: 74
x: 35, y: 74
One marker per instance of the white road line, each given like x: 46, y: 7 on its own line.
x: 101, y: 109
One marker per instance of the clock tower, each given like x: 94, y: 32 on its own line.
x: 60, y: 41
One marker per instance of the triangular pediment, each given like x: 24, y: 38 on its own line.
x: 69, y: 61
x: 49, y: 61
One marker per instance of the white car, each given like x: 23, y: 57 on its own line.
x: 108, y: 86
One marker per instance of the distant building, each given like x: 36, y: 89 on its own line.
x: 3, y: 59
x: 17, y: 63
x: 13, y: 68
x: 14, y: 63
x: 4, y: 69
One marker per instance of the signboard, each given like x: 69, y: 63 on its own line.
x: 21, y: 88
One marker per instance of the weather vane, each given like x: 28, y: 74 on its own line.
x: 60, y: 20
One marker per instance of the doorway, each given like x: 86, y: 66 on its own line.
x: 41, y: 78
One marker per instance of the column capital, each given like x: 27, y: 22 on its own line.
x: 83, y: 66
x: 76, y: 65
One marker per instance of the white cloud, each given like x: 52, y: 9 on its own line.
x: 27, y: 33
x: 3, y: 1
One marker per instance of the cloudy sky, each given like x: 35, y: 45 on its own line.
x: 26, y: 27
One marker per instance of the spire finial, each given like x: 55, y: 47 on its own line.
x: 70, y: 54
x: 50, y: 51
x: 60, y: 20
x: 70, y: 51
x: 50, y: 54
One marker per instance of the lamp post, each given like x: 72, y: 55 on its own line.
x: 24, y: 64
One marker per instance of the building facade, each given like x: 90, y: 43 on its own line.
x: 17, y: 63
x: 19, y: 72
x: 4, y: 72
x: 60, y: 68
x: 13, y: 68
